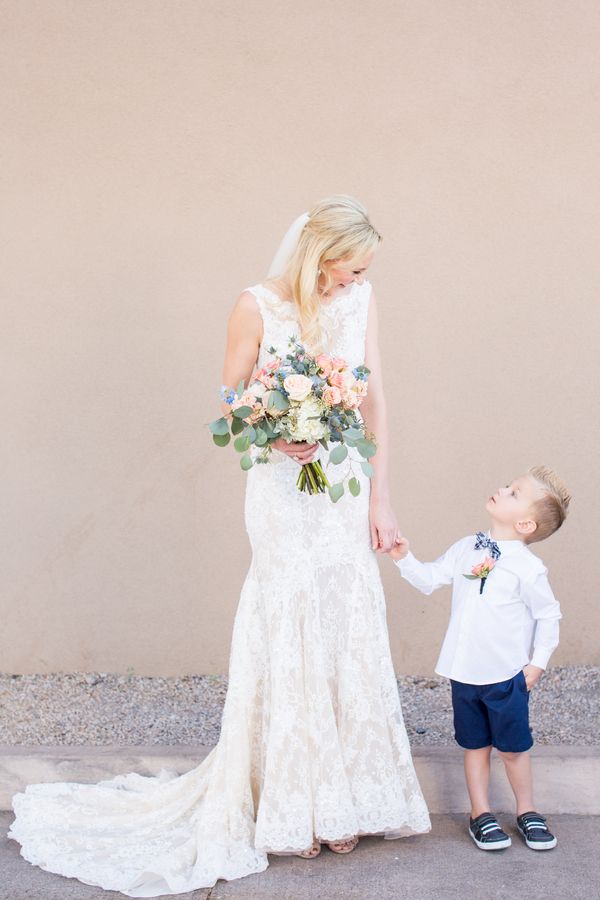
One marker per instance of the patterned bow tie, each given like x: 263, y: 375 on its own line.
x: 483, y: 541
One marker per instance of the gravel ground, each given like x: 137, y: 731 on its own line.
x: 100, y: 709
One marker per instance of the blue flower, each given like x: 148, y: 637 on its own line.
x: 227, y: 394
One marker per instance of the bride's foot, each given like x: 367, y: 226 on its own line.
x: 312, y: 852
x: 343, y: 846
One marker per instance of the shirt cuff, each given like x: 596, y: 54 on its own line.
x: 408, y: 560
x: 540, y: 657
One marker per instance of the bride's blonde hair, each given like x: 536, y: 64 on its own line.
x: 338, y: 228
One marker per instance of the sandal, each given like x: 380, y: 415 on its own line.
x: 312, y: 851
x: 346, y: 846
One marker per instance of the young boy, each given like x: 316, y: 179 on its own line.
x: 503, y: 628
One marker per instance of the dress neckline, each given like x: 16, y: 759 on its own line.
x: 323, y: 305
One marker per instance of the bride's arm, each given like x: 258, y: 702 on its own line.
x: 384, y: 525
x: 244, y: 334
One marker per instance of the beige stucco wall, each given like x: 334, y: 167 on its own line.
x: 155, y: 150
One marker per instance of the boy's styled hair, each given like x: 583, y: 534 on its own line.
x: 551, y: 510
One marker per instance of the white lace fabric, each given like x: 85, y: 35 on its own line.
x: 313, y: 741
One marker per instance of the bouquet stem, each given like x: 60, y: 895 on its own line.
x: 312, y: 478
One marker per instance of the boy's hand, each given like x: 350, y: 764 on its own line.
x: 399, y: 549
x: 532, y: 675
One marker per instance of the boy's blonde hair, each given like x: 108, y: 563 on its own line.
x: 551, y: 510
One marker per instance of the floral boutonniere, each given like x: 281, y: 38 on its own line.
x: 482, y: 571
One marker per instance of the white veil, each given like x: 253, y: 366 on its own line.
x: 287, y: 246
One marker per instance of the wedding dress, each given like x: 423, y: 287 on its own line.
x: 312, y: 741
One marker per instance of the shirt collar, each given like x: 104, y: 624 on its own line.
x: 507, y: 548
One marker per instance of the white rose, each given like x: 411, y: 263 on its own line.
x: 303, y: 420
x: 298, y: 386
x: 258, y: 389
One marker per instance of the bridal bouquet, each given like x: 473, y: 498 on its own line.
x: 300, y: 398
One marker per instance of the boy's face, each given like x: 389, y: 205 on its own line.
x: 511, y: 506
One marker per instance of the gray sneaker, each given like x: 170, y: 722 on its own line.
x: 536, y: 833
x: 487, y: 834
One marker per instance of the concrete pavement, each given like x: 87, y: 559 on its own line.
x: 443, y: 865
x: 567, y: 778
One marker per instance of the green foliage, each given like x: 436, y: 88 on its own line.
x: 242, y: 443
x: 338, y: 454
x: 278, y: 401
x: 336, y: 491
x: 221, y: 440
x: 366, y: 448
x: 354, y: 485
x: 246, y: 462
x: 367, y: 469
x: 242, y: 412
x: 219, y: 426
x: 237, y: 426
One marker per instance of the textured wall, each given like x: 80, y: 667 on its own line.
x: 154, y: 153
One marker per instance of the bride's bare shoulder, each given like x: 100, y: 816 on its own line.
x: 279, y: 287
x: 246, y: 302
x: 245, y: 315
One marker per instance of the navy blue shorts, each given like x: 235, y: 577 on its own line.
x: 496, y: 714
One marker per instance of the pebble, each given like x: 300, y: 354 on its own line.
x: 98, y: 708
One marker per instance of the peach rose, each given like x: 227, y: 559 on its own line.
x: 248, y: 398
x: 332, y: 396
x: 337, y: 380
x: 338, y: 363
x: 324, y: 363
x: 298, y: 386
x: 351, y: 400
x: 266, y: 379
x: 273, y: 365
x: 484, y: 568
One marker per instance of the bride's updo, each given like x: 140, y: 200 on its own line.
x: 338, y: 228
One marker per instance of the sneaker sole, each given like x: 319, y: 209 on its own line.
x: 491, y: 845
x: 539, y: 845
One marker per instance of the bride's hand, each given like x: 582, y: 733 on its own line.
x: 302, y: 453
x: 384, y: 526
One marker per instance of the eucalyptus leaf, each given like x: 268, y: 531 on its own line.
x: 336, y: 491
x: 354, y: 485
x: 237, y: 426
x: 367, y: 469
x: 261, y: 437
x: 246, y: 462
x: 281, y: 402
x: 250, y: 433
x: 366, y: 448
x: 219, y: 426
x: 338, y: 454
x: 221, y: 440
x: 242, y: 443
x: 242, y: 412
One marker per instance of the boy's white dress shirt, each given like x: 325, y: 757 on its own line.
x: 493, y: 635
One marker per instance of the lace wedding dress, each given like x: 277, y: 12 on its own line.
x: 312, y: 741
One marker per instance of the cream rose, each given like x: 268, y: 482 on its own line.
x: 298, y: 386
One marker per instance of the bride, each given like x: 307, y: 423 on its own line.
x: 313, y: 747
